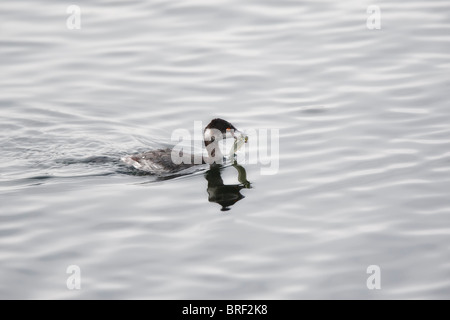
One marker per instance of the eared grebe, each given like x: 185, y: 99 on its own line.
x: 161, y: 160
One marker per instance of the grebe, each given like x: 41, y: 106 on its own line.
x: 160, y: 161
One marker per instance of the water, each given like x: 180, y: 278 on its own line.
x: 364, y: 168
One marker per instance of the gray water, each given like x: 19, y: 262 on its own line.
x: 364, y: 168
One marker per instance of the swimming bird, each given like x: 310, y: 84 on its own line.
x: 161, y: 160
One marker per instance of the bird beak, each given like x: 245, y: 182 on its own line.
x: 238, y: 135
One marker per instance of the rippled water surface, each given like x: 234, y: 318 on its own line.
x: 364, y: 165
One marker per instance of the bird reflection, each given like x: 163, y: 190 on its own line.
x: 225, y: 195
